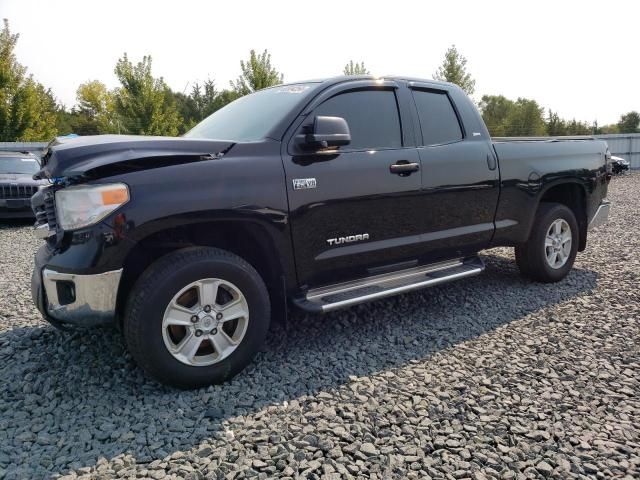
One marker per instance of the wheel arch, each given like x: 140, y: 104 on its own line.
x: 572, y: 193
x: 248, y: 239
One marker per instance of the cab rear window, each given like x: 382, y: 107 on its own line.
x: 438, y: 120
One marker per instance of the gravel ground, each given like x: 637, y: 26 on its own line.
x: 491, y: 377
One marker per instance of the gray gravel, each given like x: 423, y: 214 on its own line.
x: 491, y: 377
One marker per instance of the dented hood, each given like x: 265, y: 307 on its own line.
x: 93, y: 155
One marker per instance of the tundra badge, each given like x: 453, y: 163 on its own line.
x: 348, y: 239
x: 304, y: 183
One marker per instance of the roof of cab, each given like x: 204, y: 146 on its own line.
x: 348, y: 78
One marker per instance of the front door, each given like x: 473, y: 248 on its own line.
x: 351, y: 210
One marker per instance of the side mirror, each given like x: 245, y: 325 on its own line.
x: 325, y: 132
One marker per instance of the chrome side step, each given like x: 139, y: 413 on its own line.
x: 333, y: 297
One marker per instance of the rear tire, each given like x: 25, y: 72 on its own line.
x: 549, y: 253
x: 196, y: 317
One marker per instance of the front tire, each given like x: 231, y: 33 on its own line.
x: 552, y: 247
x: 196, y: 317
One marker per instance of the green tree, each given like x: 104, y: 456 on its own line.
x: 188, y: 111
x: 556, y: 126
x: 203, y: 100
x: 75, y: 121
x: 526, y: 119
x: 207, y: 99
x: 64, y: 121
x: 28, y: 111
x: 454, y: 70
x: 144, y: 105
x: 96, y: 108
x: 225, y: 97
x: 355, y: 69
x: 629, y: 123
x: 495, y: 109
x: 257, y: 73
x: 505, y: 117
x: 576, y: 127
x: 605, y: 129
x: 93, y: 97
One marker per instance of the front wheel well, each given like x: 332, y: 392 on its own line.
x: 247, y: 240
x: 574, y: 197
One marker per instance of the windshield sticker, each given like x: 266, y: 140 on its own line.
x: 293, y: 89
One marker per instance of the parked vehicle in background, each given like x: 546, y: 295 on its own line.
x: 619, y: 165
x: 17, y: 184
x: 322, y: 194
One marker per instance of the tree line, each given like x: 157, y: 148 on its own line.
x: 524, y: 117
x: 143, y: 104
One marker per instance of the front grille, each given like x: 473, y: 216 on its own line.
x: 45, y: 209
x: 11, y: 191
x: 50, y: 209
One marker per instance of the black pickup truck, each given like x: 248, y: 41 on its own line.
x: 321, y: 195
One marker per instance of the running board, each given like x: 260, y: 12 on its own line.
x: 333, y: 297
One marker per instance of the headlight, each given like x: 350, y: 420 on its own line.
x: 85, y: 205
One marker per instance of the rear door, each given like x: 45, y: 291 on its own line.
x: 459, y: 176
x: 349, y: 211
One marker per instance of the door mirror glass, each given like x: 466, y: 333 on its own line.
x: 325, y: 132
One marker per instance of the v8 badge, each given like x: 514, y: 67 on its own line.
x: 304, y: 183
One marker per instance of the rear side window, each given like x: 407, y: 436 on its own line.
x: 438, y: 120
x: 372, y: 116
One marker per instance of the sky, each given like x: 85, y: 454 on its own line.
x: 579, y: 58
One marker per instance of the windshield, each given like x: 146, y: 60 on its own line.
x: 250, y: 118
x: 23, y: 165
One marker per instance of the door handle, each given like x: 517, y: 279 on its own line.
x: 404, y: 168
x: 491, y: 162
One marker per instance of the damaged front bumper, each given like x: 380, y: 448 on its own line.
x: 81, y: 300
x: 72, y: 299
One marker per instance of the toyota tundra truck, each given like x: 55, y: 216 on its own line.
x: 317, y: 195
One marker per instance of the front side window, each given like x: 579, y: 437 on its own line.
x: 372, y: 116
x: 438, y: 120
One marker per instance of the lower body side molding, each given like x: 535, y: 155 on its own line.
x: 333, y: 297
